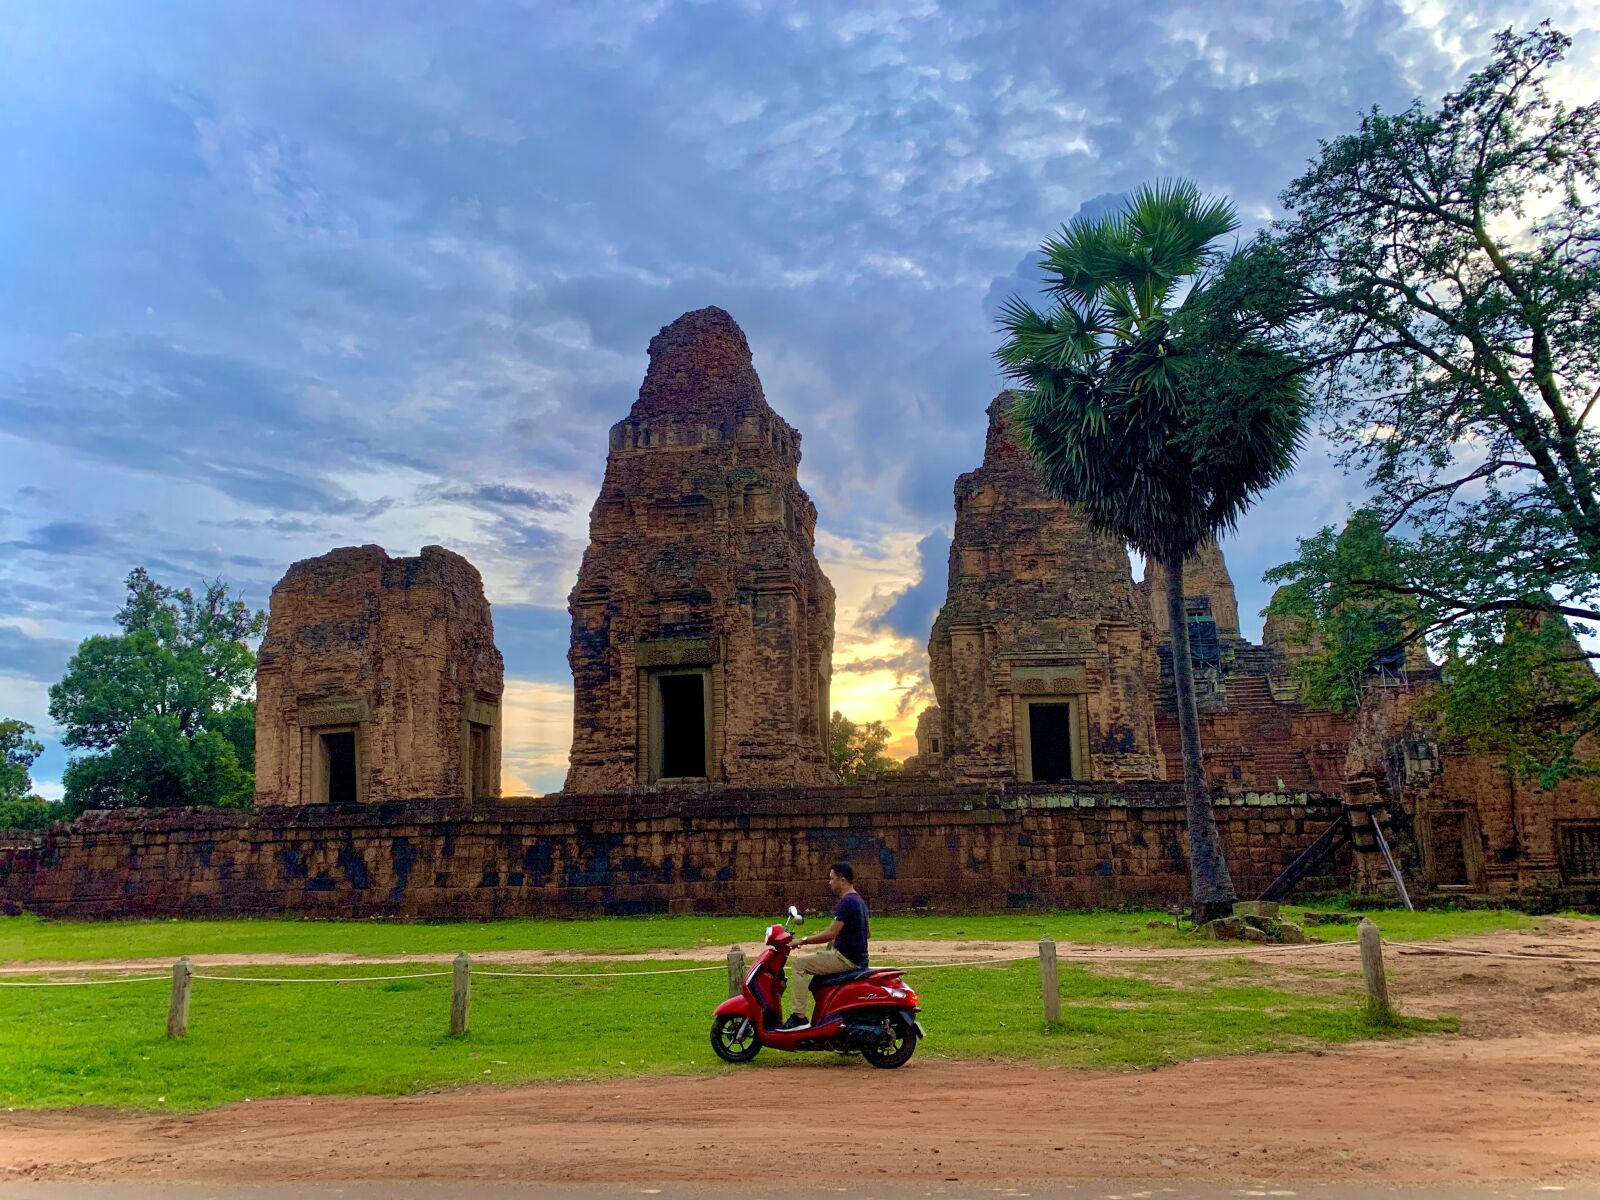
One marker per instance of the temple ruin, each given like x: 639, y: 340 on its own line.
x: 1047, y: 774
x: 1043, y: 656
x: 378, y: 680
x: 702, y: 626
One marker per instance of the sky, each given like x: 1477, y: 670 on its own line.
x: 280, y: 277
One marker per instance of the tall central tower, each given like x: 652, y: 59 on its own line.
x: 702, y: 626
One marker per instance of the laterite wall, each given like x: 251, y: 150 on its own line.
x: 732, y: 851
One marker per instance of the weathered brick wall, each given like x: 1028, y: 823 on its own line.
x: 733, y: 851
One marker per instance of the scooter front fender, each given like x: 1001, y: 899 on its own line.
x: 736, y: 1006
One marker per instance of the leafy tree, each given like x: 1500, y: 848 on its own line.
x: 858, y: 750
x: 1155, y: 395
x: 19, y: 807
x: 163, y: 704
x: 1347, y: 628
x: 18, y: 749
x: 1449, y: 260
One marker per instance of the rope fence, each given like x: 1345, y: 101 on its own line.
x: 30, y: 983
x: 461, y: 972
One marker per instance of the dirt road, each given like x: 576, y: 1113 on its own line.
x: 1516, y: 1096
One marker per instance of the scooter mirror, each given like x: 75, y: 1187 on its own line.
x: 794, y: 915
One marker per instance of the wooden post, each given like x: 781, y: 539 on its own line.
x: 1372, y: 968
x: 1048, y: 980
x: 460, y: 995
x: 735, y: 971
x: 178, y: 1009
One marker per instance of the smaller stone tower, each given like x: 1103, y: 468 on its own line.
x: 378, y: 680
x: 1043, y: 656
x: 1207, y: 591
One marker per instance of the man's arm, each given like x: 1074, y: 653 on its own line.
x: 827, y: 935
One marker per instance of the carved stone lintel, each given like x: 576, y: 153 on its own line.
x: 678, y: 652
x: 349, y: 711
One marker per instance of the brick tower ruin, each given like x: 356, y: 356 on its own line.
x: 1043, y: 656
x: 378, y: 680
x: 702, y: 627
x: 1208, y: 595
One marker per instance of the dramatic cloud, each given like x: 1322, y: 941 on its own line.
x: 29, y: 657
x: 911, y: 613
x: 281, y: 278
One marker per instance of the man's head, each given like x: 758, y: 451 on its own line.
x: 841, y: 878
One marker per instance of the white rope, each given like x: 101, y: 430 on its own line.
x: 1241, y: 948
x: 83, y: 982
x: 314, y: 979
x: 976, y: 962
x: 593, y: 974
x: 1518, y: 956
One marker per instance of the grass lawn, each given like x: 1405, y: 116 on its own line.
x: 105, y: 1045
x: 30, y: 939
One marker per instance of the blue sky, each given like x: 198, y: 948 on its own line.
x: 279, y: 277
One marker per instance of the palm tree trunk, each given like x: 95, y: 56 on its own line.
x: 1208, y: 870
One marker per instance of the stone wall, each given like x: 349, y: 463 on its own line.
x: 389, y: 662
x: 1040, y: 610
x: 1466, y: 824
x: 733, y: 851
x: 701, y: 574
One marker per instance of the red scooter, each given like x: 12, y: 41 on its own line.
x: 868, y: 1011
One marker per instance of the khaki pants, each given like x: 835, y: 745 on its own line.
x: 804, y: 965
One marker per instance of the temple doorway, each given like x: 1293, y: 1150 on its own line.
x: 681, y: 723
x: 1050, y: 742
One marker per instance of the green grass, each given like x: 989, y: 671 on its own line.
x: 106, y: 1046
x: 30, y: 939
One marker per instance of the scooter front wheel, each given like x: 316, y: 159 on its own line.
x: 734, y: 1039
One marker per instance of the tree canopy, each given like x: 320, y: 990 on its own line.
x: 19, y: 807
x: 1448, y: 259
x: 163, y: 705
x: 857, y: 750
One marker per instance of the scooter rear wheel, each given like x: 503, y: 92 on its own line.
x: 897, y: 1051
x: 734, y: 1039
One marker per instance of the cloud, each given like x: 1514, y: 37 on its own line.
x: 911, y: 612
x: 67, y: 537
x: 31, y: 657
x: 296, y: 276
x: 536, y: 735
x: 507, y: 496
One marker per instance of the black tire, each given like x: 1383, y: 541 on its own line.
x: 902, y: 1044
x: 734, y: 1039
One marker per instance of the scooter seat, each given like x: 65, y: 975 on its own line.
x: 847, y: 976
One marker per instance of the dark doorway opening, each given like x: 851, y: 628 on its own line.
x: 1050, y: 742
x: 478, y: 761
x: 339, y: 752
x: 1449, y: 846
x: 683, y: 726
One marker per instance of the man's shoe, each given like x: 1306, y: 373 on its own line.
x: 795, y: 1021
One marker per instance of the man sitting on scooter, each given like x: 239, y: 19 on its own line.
x: 848, y: 935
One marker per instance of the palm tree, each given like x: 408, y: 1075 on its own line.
x: 1155, y: 395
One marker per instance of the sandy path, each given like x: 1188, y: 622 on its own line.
x: 1553, y: 936
x: 1426, y: 1111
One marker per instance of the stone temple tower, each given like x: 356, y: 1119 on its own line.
x: 378, y: 680
x: 1043, y: 656
x: 702, y: 627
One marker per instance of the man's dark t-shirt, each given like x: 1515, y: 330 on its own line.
x: 852, y: 939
